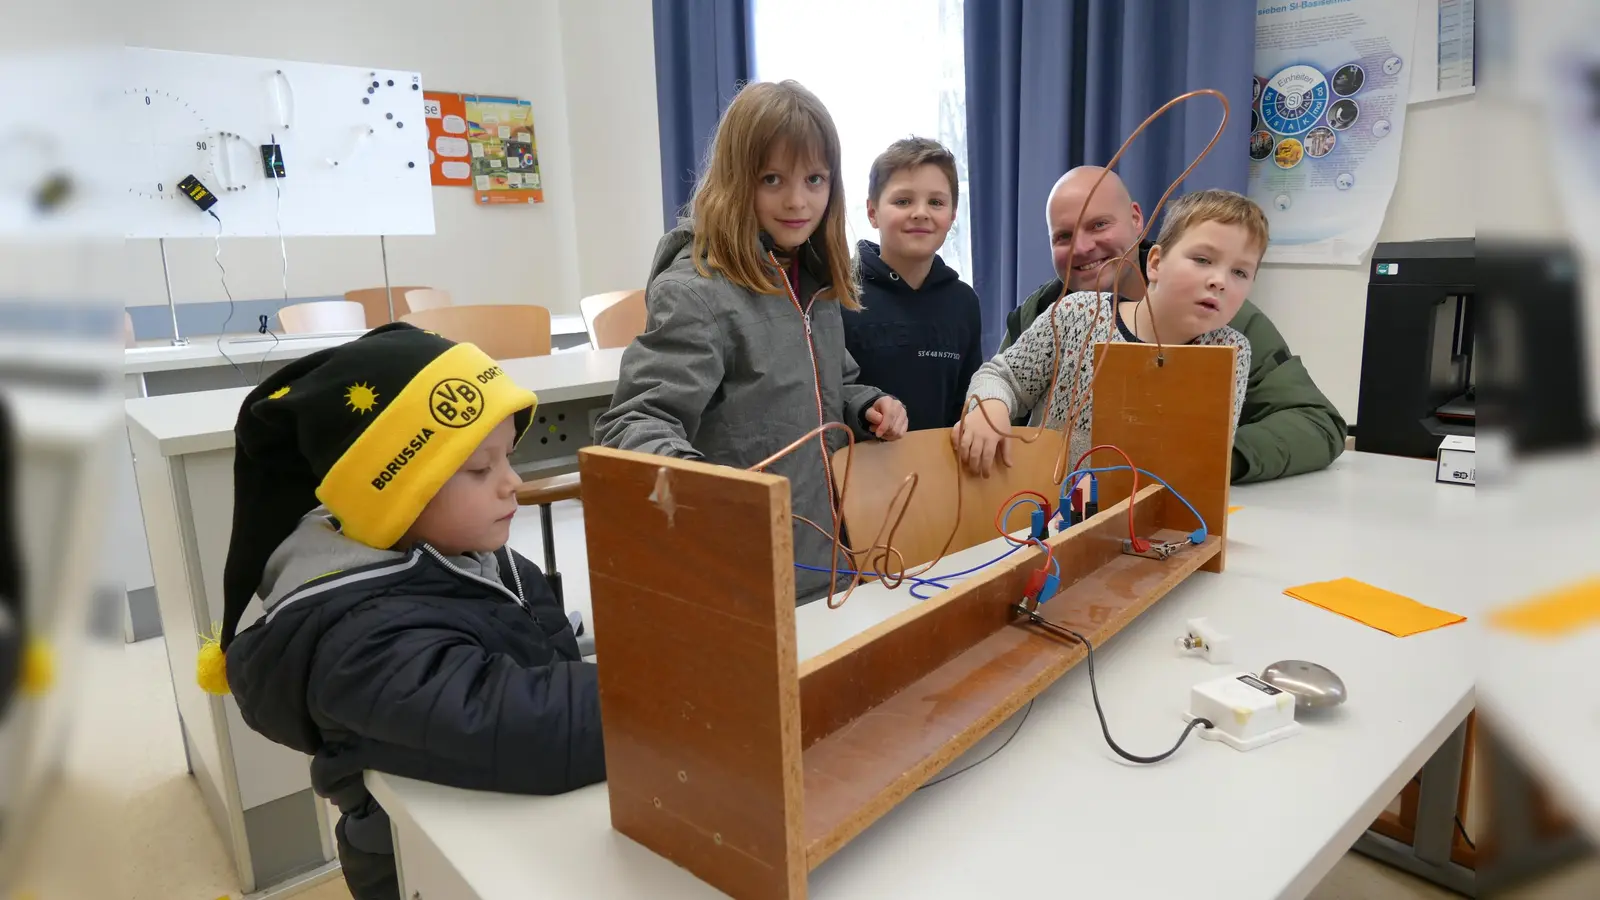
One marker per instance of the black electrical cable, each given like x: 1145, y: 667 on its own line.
x: 1094, y: 690
x: 1463, y: 829
x: 970, y: 766
x: 217, y: 257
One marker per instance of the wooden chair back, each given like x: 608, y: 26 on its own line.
x: 879, y: 469
x: 322, y: 315
x: 377, y: 308
x: 618, y: 324
x: 418, y: 299
x: 504, y: 331
x: 592, y: 306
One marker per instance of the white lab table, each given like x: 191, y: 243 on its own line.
x: 1056, y: 811
x: 205, y: 363
x: 213, y: 363
x: 1542, y: 532
x: 147, y: 365
x: 201, y: 421
x: 259, y: 793
x: 225, y: 350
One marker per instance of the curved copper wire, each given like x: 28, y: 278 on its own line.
x: 891, y: 572
x: 1074, y: 409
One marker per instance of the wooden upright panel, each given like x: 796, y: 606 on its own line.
x: 692, y: 578
x: 1175, y: 419
x: 879, y: 469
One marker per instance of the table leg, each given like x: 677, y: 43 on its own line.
x: 188, y: 760
x: 1428, y: 856
x: 1523, y: 840
x: 1440, y: 784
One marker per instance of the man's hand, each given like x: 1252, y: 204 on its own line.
x: 976, y: 441
x: 887, y: 419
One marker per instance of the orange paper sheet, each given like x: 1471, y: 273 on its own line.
x: 1554, y: 614
x: 1234, y: 509
x: 1381, y: 609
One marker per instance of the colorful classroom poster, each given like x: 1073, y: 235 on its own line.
x: 505, y: 158
x: 449, y: 155
x: 1332, y: 81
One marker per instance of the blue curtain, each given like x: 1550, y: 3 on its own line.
x: 703, y: 55
x: 1053, y: 84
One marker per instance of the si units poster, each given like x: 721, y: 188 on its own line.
x: 1329, y: 103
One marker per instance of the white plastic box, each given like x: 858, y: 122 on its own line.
x: 1245, y: 712
x: 1457, y: 461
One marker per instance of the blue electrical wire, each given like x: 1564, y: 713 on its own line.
x: 1198, y: 536
x: 936, y: 581
x: 1006, y: 518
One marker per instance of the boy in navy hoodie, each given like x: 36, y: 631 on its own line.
x: 920, y: 333
x: 373, y: 495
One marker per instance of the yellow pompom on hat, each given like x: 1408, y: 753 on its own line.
x: 371, y: 430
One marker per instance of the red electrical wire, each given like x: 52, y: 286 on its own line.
x: 1049, y: 554
x: 999, y: 514
x: 1139, y: 543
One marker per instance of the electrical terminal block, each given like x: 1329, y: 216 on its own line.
x: 1200, y: 639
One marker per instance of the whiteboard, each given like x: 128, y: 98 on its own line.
x: 353, y: 141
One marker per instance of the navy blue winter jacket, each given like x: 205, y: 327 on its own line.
x: 460, y: 670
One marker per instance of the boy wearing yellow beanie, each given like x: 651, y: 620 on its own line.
x: 373, y: 496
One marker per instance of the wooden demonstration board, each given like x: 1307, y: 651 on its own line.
x: 730, y: 756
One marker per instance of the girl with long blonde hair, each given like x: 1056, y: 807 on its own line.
x: 743, y: 349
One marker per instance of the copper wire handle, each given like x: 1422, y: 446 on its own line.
x: 891, y: 573
x: 833, y: 574
x: 1123, y: 262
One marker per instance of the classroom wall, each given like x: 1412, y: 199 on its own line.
x: 586, y: 66
x: 1321, y: 309
x: 609, y: 50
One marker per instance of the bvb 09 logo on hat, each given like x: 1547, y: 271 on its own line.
x: 456, y: 403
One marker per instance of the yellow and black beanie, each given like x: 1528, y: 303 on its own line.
x: 371, y: 430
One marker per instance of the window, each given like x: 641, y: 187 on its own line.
x: 886, y: 69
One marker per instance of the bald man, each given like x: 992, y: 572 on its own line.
x: 1287, y: 427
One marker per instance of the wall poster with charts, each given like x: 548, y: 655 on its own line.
x: 505, y: 157
x: 1329, y: 102
x: 449, y: 156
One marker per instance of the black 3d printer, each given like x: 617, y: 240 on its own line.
x: 1416, y: 354
x: 1427, y: 321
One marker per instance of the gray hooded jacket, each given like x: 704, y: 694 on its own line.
x: 724, y: 376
